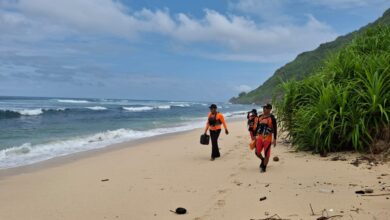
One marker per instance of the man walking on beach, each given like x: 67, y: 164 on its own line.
x: 266, y: 135
x: 214, y: 122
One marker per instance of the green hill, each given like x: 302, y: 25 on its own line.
x: 304, y: 65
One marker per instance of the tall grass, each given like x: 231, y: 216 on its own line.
x: 346, y: 104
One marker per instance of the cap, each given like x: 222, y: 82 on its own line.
x: 213, y: 106
x: 254, y: 111
x: 267, y: 106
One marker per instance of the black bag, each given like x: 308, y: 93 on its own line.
x: 181, y: 211
x: 204, y: 139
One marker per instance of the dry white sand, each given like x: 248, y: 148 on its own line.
x: 153, y: 177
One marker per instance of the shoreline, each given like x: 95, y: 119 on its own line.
x: 72, y: 157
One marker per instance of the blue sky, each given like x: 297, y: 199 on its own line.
x: 162, y: 49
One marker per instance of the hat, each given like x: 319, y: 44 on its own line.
x: 267, y: 106
x: 213, y: 106
x: 254, y: 111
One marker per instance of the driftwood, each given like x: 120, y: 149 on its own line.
x: 355, y: 210
x: 384, y: 194
x: 274, y: 217
x: 330, y: 217
x: 323, y: 217
x: 312, y: 212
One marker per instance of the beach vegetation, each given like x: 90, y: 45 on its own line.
x: 346, y: 104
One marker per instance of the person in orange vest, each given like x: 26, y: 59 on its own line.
x: 252, y: 123
x: 214, y: 121
x: 266, y: 135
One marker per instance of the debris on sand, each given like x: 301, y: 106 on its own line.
x: 276, y: 158
x: 326, y: 190
x: 330, y: 217
x: 356, y: 162
x: 384, y: 194
x: 362, y: 192
x: 179, y: 211
x: 323, y: 217
x: 105, y: 180
x: 238, y: 183
x: 274, y: 217
x: 337, y: 158
x: 311, y: 208
x: 368, y: 190
x: 323, y: 154
x: 355, y: 210
x: 263, y: 198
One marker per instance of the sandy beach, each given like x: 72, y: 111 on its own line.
x: 148, y: 179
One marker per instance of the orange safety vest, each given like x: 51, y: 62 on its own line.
x: 215, y: 121
x: 265, y: 127
x: 252, y: 123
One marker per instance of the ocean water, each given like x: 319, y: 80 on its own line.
x: 37, y: 129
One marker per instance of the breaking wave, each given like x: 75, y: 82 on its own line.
x: 27, y: 153
x: 72, y: 101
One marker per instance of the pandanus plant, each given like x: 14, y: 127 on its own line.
x: 346, y: 103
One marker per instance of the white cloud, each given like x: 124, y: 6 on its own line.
x: 242, y: 57
x: 274, y: 9
x: 251, y: 42
x: 269, y: 10
x: 238, y: 38
x: 83, y: 15
x: 243, y: 88
x: 345, y: 4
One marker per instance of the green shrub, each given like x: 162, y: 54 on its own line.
x: 345, y: 104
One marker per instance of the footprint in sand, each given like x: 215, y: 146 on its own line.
x: 221, y: 203
x: 238, y: 183
x: 222, y: 191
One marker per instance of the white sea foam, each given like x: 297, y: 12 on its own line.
x: 97, y: 108
x: 29, y: 112
x: 182, y: 105
x: 236, y: 114
x: 164, y: 107
x: 145, y: 108
x: 72, y: 101
x: 28, y: 154
x: 23, y: 149
x: 32, y: 112
x: 138, y: 109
